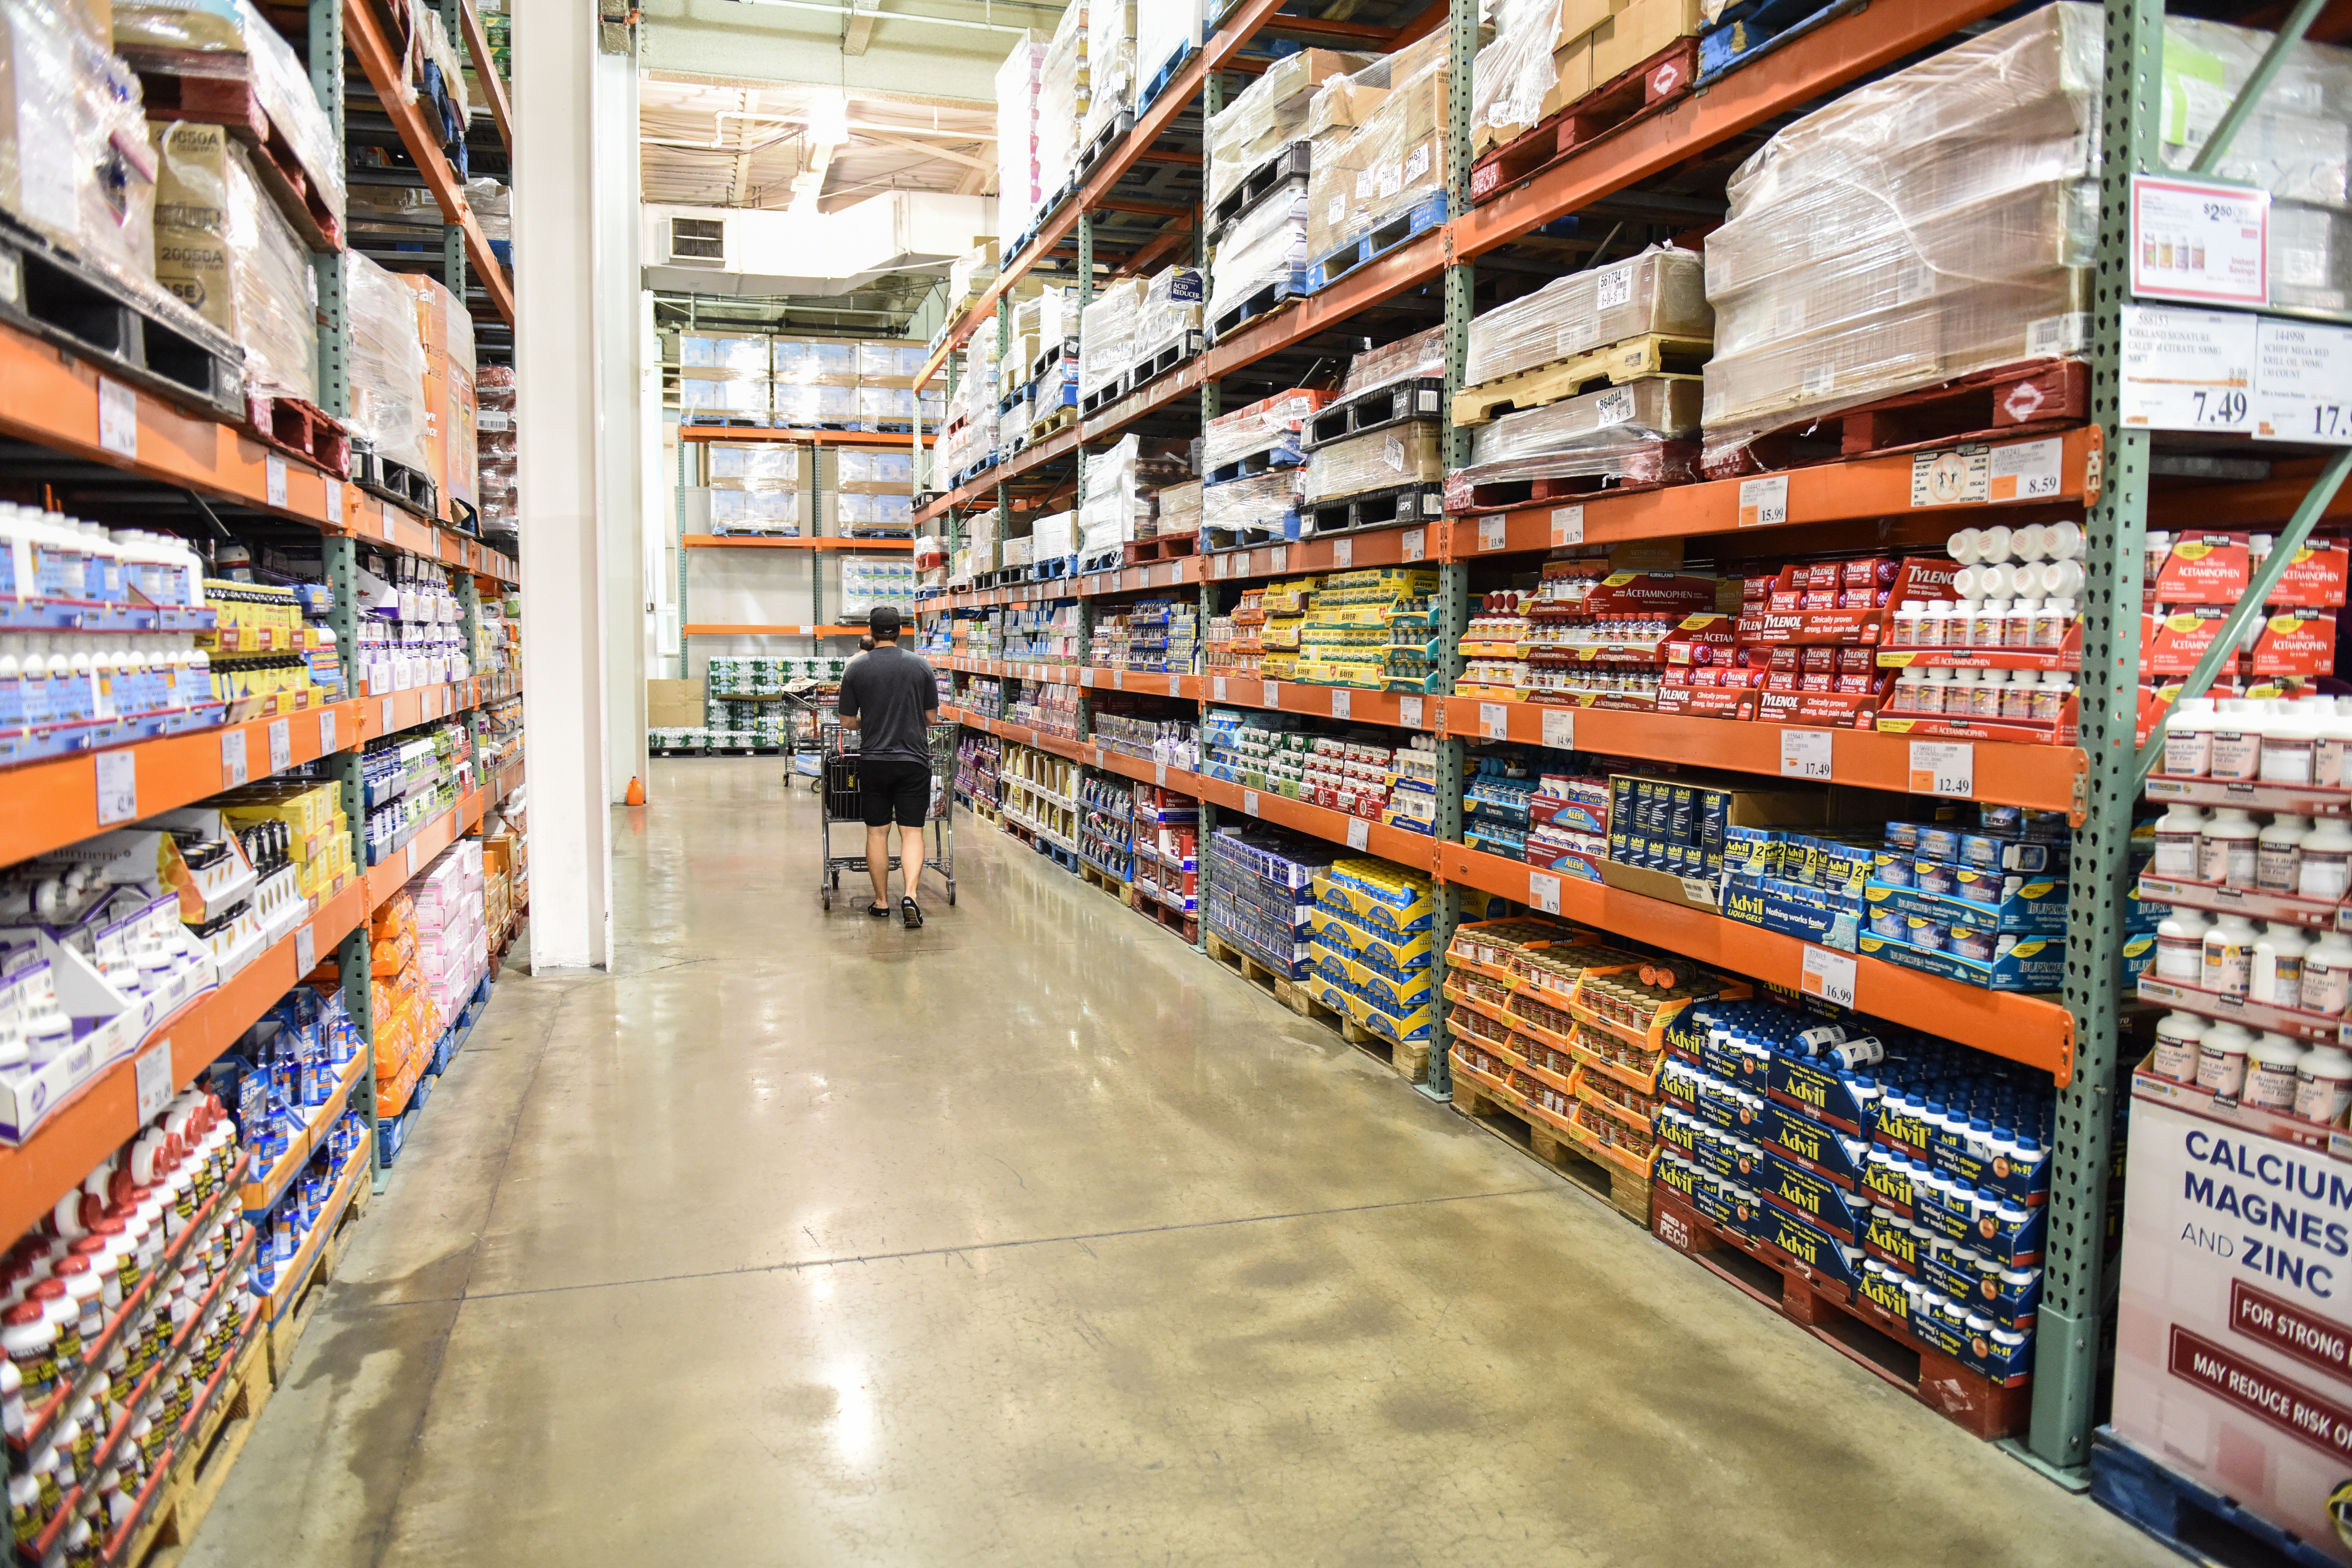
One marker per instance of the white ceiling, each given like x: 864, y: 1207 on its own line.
x: 704, y: 143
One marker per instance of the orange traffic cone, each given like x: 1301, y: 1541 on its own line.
x: 636, y: 795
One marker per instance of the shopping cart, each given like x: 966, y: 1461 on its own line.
x: 839, y: 802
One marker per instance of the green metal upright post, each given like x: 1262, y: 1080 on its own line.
x: 1213, y: 99
x: 327, y: 267
x: 1453, y: 576
x: 342, y: 560
x: 453, y: 260
x: 1085, y: 298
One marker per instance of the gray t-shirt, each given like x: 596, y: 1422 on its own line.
x: 890, y: 691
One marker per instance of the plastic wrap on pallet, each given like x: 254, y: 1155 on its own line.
x: 1265, y: 244
x: 1016, y: 134
x: 874, y: 513
x: 493, y: 207
x: 1056, y: 534
x: 1176, y: 509
x: 1113, y: 471
x: 2310, y: 257
x: 1108, y: 521
x: 1515, y: 83
x: 222, y: 246
x: 1106, y: 334
x: 720, y: 358
x: 1110, y: 66
x: 2296, y: 145
x: 1400, y: 455
x: 754, y: 505
x: 888, y: 404
x: 1271, y: 424
x: 1061, y: 102
x: 801, y: 362
x: 1171, y: 308
x: 875, y: 473
x: 1407, y: 358
x: 74, y: 160
x: 1165, y: 32
x: 242, y: 44
x: 387, y: 365
x: 1269, y: 115
x: 1380, y: 144
x: 738, y: 467
x: 1617, y: 432
x: 798, y: 407
x: 1259, y: 502
x: 1663, y: 289
x: 1934, y: 223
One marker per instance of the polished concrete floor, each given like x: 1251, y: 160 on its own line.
x: 1031, y: 1237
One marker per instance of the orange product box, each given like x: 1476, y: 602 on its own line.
x: 2317, y: 576
x: 2199, y: 568
x: 2173, y: 637
x: 1855, y: 710
x: 2295, y: 641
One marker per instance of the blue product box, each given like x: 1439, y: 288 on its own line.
x: 2007, y: 1365
x: 1940, y: 1323
x: 1752, y: 851
x: 1718, y: 1155
x: 1792, y: 909
x: 2010, y: 1243
x: 1814, y: 1145
x: 1714, y: 1200
x: 1887, y: 1293
x: 1677, y: 1176
x: 1888, y: 1240
x: 1942, y: 1270
x: 2010, y: 1305
x: 1821, y: 1204
x: 2031, y: 963
x: 1676, y: 1132
x: 1995, y: 853
x: 1821, y: 1094
x: 1904, y: 837
x: 2029, y: 1183
x: 1937, y: 842
x: 1810, y: 1245
x: 2140, y: 952
x: 1888, y: 1186
x: 2027, y: 908
x: 1717, y: 1106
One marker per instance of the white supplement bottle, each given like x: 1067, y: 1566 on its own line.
x: 2189, y: 738
x: 1936, y: 697
x: 2158, y: 551
x: 2324, y: 868
x: 2279, y: 953
x: 2180, y: 947
x: 2327, y: 974
x: 2238, y: 740
x: 2227, y: 853
x: 2221, y: 1059
x: 2323, y: 1085
x: 1992, y: 686
x: 2049, y: 698
x: 1908, y: 616
x: 2230, y: 955
x: 1905, y: 697
x: 1936, y: 627
x: 2288, y: 742
x: 1988, y: 622
x: 2177, y: 1036
x: 2017, y: 622
x: 2053, y: 621
x: 2017, y: 695
x: 2271, y: 1070
x: 2332, y: 726
x: 2179, y: 833
x: 2278, y: 853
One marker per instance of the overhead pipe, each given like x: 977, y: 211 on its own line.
x: 889, y: 15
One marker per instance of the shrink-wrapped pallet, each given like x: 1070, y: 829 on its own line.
x: 2296, y: 145
x: 1380, y: 138
x: 801, y: 362
x: 2311, y: 258
x: 1264, y: 246
x: 1107, y: 335
x: 1272, y: 425
x: 1016, y: 135
x: 1934, y: 223
x: 875, y: 473
x: 885, y: 405
x: 1111, y: 67
x: 222, y: 246
x: 1515, y: 83
x: 1637, y: 434
x: 1054, y: 535
x: 74, y: 164
x: 1415, y: 358
x: 705, y: 358
x: 1171, y: 309
x: 1664, y: 290
x: 766, y: 465
x: 1165, y: 32
x: 800, y: 407
x: 972, y: 272
x: 1269, y: 115
x: 1176, y: 509
x: 232, y: 39
x: 1061, y: 103
x: 1381, y: 460
x: 761, y: 506
x: 386, y: 364
x: 1266, y: 502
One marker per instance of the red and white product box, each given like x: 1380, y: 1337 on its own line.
x: 2200, y: 569
x: 2233, y: 1338
x: 2293, y: 642
x: 2317, y: 576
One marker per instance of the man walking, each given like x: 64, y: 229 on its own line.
x: 887, y: 697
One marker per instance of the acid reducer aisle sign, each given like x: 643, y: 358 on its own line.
x: 2233, y: 1340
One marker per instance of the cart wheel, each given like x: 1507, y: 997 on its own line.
x: 951, y: 895
x: 836, y: 882
x: 826, y: 895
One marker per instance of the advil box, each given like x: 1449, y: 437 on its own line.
x: 2233, y: 1338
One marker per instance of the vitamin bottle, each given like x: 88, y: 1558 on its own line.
x: 2221, y: 1059
x: 2279, y: 953
x: 2324, y: 867
x: 2323, y: 1085
x: 2230, y: 955
x: 2189, y: 738
x: 2177, y: 1036
x: 2271, y: 1072
x: 2278, y: 853
x: 2327, y: 974
x: 2180, y: 947
x: 2179, y: 834
x: 2238, y: 740
x: 2228, y: 852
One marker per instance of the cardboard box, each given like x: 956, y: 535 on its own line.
x: 673, y: 704
x: 1637, y: 29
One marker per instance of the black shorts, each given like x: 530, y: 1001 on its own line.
x: 889, y: 789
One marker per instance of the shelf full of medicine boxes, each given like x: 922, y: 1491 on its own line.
x: 1829, y: 505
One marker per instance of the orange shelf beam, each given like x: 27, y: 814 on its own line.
x: 104, y: 1113
x: 486, y: 71
x: 820, y: 542
x: 2034, y: 1030
x: 802, y: 437
x: 363, y: 36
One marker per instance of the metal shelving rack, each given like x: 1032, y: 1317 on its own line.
x: 2107, y: 470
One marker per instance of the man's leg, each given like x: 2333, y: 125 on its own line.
x: 877, y: 863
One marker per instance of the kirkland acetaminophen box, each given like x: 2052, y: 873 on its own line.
x: 2233, y: 1359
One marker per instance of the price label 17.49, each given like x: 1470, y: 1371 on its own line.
x: 1805, y: 754
x: 2303, y: 383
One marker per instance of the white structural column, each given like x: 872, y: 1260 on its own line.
x: 621, y: 414
x: 557, y: 385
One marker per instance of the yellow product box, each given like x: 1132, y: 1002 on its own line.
x: 1386, y: 898
x: 1399, y: 952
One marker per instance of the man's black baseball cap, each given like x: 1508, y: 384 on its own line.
x: 884, y: 621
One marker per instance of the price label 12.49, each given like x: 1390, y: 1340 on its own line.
x: 1943, y: 767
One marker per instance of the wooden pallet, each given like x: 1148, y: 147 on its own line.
x: 1187, y: 926
x: 1847, y: 1323
x: 1409, y: 1060
x: 1515, y: 1121
x: 1053, y: 424
x: 202, y: 1468
x: 2027, y: 399
x: 1637, y: 94
x: 1159, y: 548
x: 1095, y: 877
x: 207, y: 98
x: 1264, y: 301
x: 286, y: 1333
x: 1281, y: 987
x: 1373, y: 508
x: 2189, y: 1517
x: 1292, y: 161
x: 1652, y: 467
x: 299, y: 429
x: 1612, y: 365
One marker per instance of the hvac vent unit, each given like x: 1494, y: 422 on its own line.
x: 698, y: 242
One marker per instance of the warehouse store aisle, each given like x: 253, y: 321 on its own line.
x: 1031, y: 1237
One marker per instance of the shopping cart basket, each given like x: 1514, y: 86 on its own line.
x: 837, y: 793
